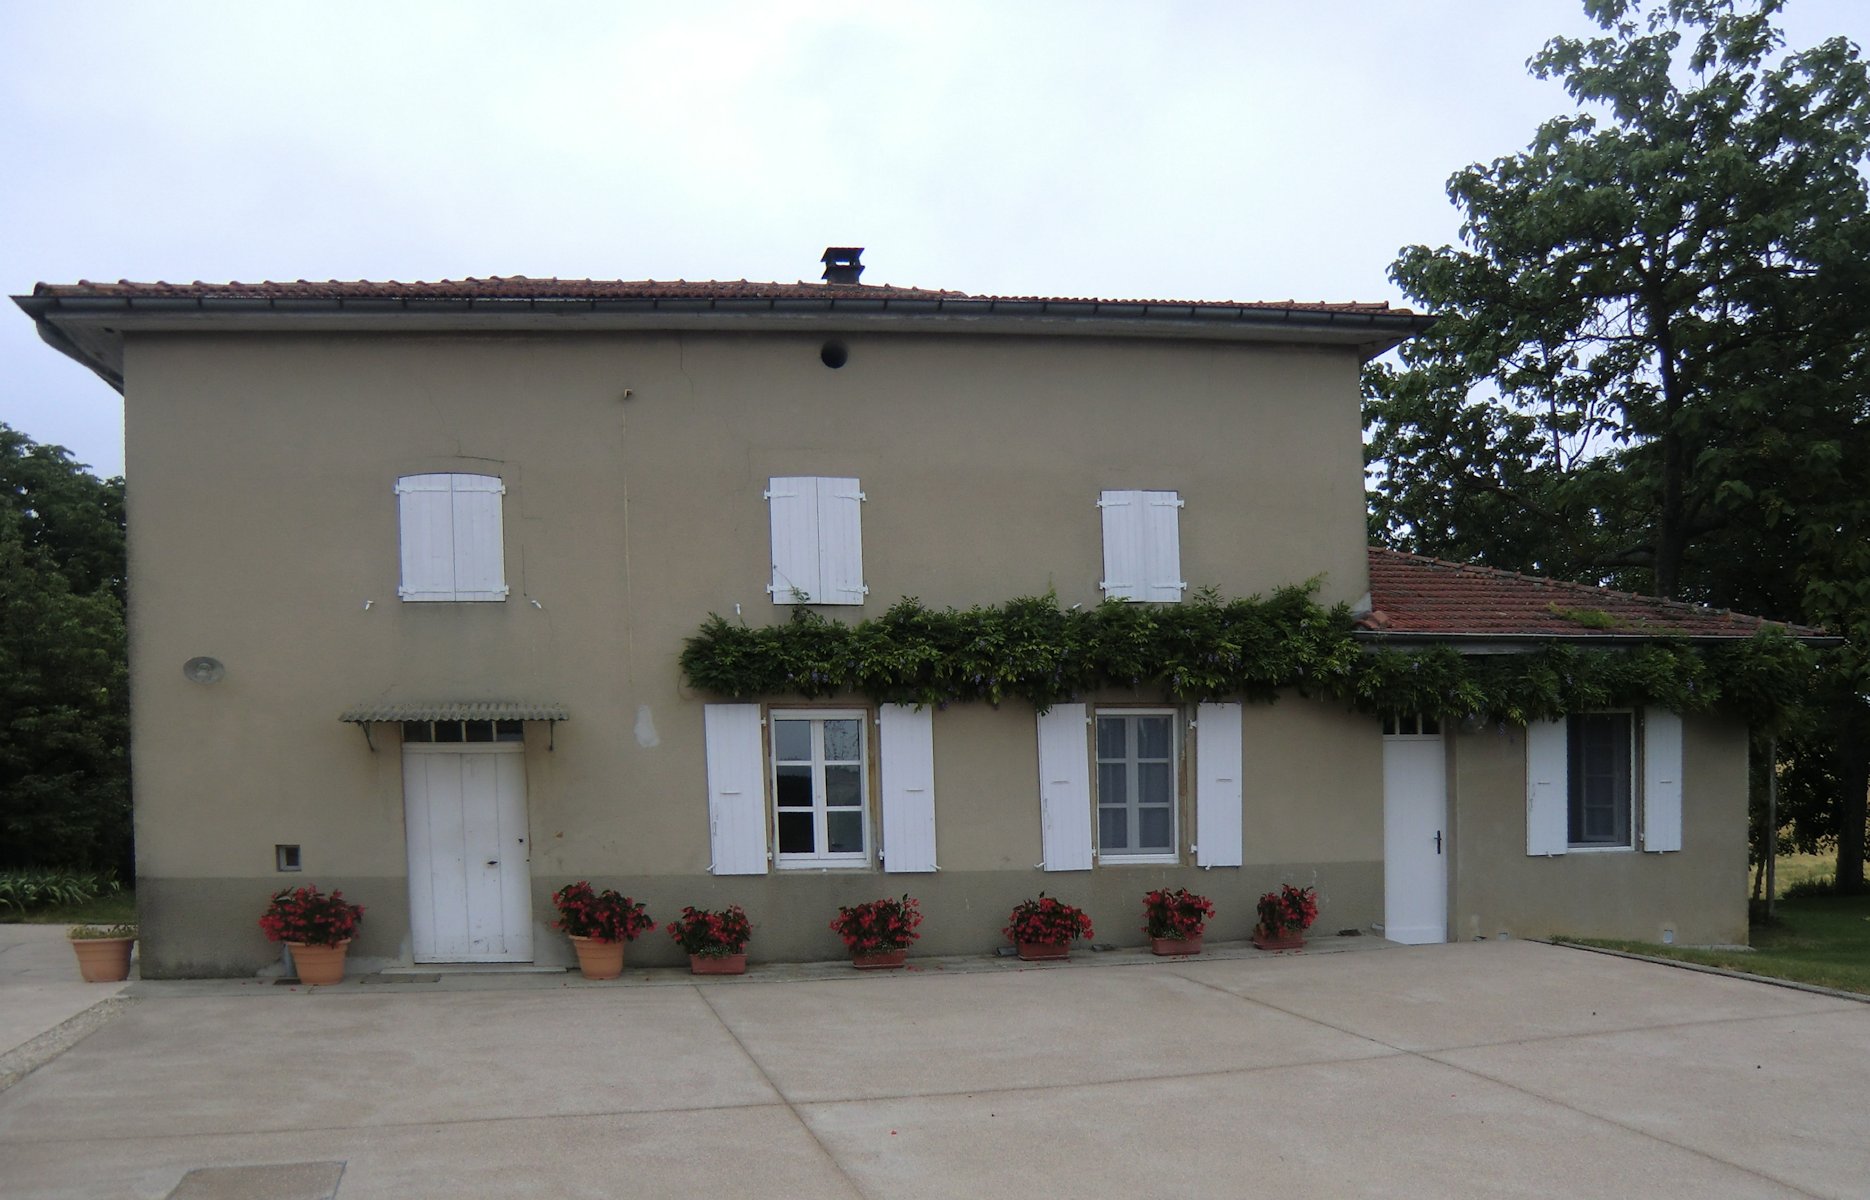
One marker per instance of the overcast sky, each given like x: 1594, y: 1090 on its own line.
x: 1245, y: 150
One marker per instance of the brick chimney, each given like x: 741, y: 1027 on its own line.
x: 843, y: 264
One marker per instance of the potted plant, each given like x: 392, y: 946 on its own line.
x: 599, y: 923
x: 317, y: 927
x: 103, y: 951
x: 878, y: 932
x: 1045, y: 928
x: 1285, y: 915
x: 715, y: 942
x: 1174, y: 920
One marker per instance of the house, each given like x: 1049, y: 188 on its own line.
x: 412, y: 567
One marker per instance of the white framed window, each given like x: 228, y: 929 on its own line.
x: 1600, y: 794
x: 452, y: 537
x: 821, y: 787
x: 1604, y: 781
x: 1137, y: 794
x: 1142, y: 546
x: 817, y: 540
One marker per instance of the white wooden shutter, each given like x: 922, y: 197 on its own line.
x: 1662, y: 780
x: 1217, y: 785
x: 479, y: 549
x: 1547, y: 794
x: 1162, y: 546
x: 1124, y: 570
x: 1065, y: 788
x: 736, y: 789
x: 840, y: 543
x: 792, y: 503
x: 906, y: 743
x: 425, y: 520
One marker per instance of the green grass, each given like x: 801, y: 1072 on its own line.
x: 117, y: 909
x: 1823, y: 940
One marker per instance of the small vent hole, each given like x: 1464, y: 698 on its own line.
x: 834, y: 354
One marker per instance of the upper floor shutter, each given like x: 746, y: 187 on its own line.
x: 736, y: 789
x: 1217, y: 785
x: 1662, y: 780
x: 906, y: 751
x: 1162, y: 546
x: 1065, y: 788
x: 1548, y: 802
x: 792, y: 504
x: 425, y: 524
x: 479, y: 548
x: 1124, y: 569
x: 840, y: 542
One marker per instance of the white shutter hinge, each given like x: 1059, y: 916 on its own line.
x: 402, y: 593
x: 502, y: 488
x: 503, y: 591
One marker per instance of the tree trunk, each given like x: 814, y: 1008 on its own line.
x: 1853, y: 780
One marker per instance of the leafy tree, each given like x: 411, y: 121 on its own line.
x: 1653, y: 365
x: 64, y: 714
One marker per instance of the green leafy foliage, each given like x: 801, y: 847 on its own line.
x: 64, y: 700
x: 27, y: 891
x: 1210, y: 649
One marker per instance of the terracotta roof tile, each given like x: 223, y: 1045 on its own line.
x: 525, y: 287
x: 1413, y: 595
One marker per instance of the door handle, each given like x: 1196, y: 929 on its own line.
x: 1437, y: 843
x: 493, y: 862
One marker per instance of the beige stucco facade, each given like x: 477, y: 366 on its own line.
x: 264, y: 533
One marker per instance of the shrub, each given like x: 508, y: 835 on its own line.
x: 1817, y: 885
x: 1288, y: 909
x: 710, y: 934
x: 1177, y: 915
x: 30, y: 890
x: 1046, y: 921
x: 603, y: 916
x: 877, y: 925
x: 309, y: 917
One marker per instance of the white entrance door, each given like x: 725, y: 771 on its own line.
x: 1415, y: 865
x: 470, y: 897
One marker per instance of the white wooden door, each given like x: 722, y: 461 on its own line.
x: 1415, y: 862
x: 470, y: 888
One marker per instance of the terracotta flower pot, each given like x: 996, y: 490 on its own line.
x: 1291, y: 939
x: 1039, y: 951
x: 1175, y: 946
x: 320, y: 966
x: 103, y: 960
x: 880, y: 960
x: 717, y: 964
x: 598, y: 959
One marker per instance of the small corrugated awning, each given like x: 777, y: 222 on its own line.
x: 397, y: 711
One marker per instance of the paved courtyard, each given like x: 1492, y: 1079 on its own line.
x: 1491, y: 1069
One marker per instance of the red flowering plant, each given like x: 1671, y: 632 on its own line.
x: 878, y: 925
x: 712, y: 934
x: 1046, y: 921
x: 1177, y: 915
x: 308, y: 917
x: 1287, y: 909
x: 601, y: 916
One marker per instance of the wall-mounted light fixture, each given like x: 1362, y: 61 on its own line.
x: 202, y: 669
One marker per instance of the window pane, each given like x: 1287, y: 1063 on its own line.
x: 844, y: 787
x: 1599, y: 778
x: 447, y: 731
x: 1112, y: 784
x: 1154, y: 784
x: 1155, y: 830
x: 479, y: 731
x: 416, y: 731
x: 793, y: 786
x: 1430, y: 725
x: 1110, y: 742
x: 846, y: 832
x: 792, y: 741
x: 795, y: 833
x: 509, y: 731
x: 1113, y: 829
x: 1152, y: 737
x: 843, y: 741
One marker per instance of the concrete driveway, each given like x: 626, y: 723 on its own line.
x: 1492, y: 1069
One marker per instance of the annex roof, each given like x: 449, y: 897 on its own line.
x: 1418, y: 599
x: 87, y: 319
x: 396, y: 711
